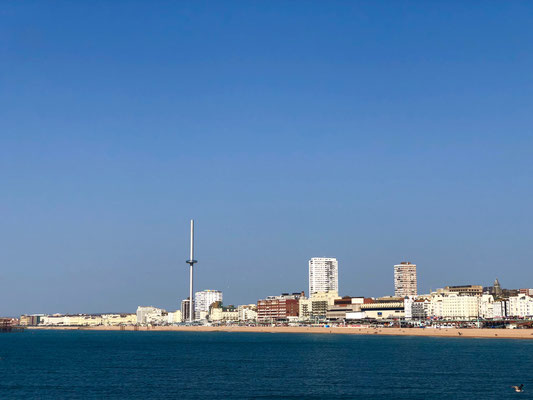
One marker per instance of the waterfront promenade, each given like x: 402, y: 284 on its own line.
x: 443, y: 332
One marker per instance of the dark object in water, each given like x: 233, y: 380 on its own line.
x: 518, y: 389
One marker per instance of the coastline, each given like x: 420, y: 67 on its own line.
x: 432, y: 332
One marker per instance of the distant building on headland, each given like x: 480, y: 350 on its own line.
x: 30, y: 320
x: 81, y: 320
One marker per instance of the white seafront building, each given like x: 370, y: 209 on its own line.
x: 323, y: 275
x: 223, y: 314
x: 521, y: 306
x: 151, y: 315
x: 420, y: 308
x: 486, y: 306
x: 468, y: 303
x: 119, y: 319
x: 71, y: 320
x: 174, y: 317
x: 500, y: 309
x: 87, y: 319
x: 247, y: 312
x: 203, y: 300
x: 453, y: 306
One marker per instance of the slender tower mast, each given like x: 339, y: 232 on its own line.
x: 191, y: 261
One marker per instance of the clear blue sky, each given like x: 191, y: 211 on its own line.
x: 374, y: 132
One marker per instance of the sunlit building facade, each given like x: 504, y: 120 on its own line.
x: 323, y: 275
x: 405, y: 282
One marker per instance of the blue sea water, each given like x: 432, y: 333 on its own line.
x: 182, y: 365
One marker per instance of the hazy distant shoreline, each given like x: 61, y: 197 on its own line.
x: 468, y: 333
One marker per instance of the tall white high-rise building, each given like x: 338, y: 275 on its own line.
x: 323, y: 275
x: 204, y: 299
x: 405, y: 280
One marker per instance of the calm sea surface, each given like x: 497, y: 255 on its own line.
x: 179, y: 365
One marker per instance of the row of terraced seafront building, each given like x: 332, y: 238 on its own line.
x: 464, y: 304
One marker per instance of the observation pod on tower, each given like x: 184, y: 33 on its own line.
x: 191, y: 261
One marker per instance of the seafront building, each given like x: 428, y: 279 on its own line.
x: 144, y: 316
x: 203, y: 300
x: 521, y: 306
x: 174, y: 317
x: 279, y: 308
x: 119, y: 319
x: 30, y: 320
x: 218, y: 313
x: 420, y: 309
x: 384, y: 308
x: 455, y: 306
x: 71, y: 320
x: 151, y: 316
x: 405, y: 282
x: 78, y: 320
x: 185, y: 309
x: 345, y: 308
x: 464, y: 290
x: 486, y: 306
x: 323, y: 275
x: 500, y: 309
x: 316, y: 306
x: 247, y: 313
